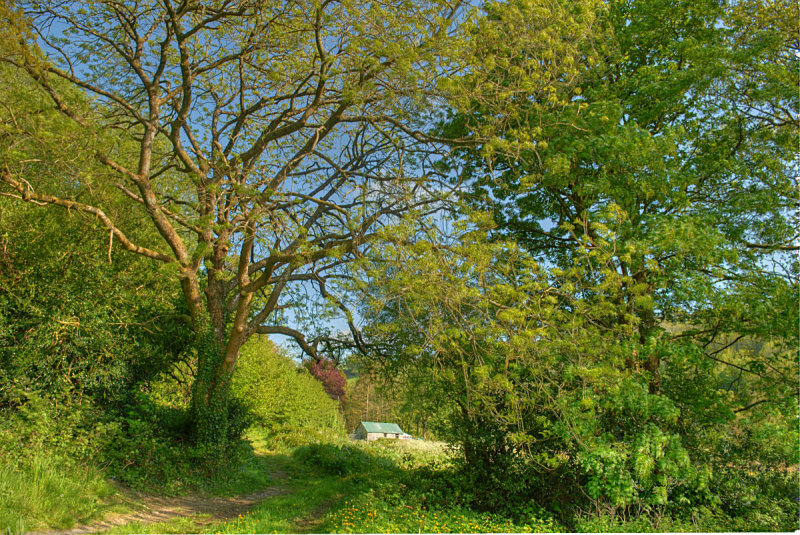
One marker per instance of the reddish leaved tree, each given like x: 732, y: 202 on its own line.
x: 331, y: 378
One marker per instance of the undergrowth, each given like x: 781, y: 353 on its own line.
x: 48, y: 491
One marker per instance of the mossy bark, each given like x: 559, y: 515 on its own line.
x: 211, y: 395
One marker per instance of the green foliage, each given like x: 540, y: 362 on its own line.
x: 336, y: 460
x: 400, y: 487
x: 217, y: 418
x: 607, y: 329
x: 72, y: 321
x: 636, y: 459
x: 84, y: 332
x: 547, y: 386
x: 381, y: 510
x: 44, y: 490
x: 141, y: 444
x: 146, y: 448
x: 82, y: 328
x: 637, y: 179
x: 369, y: 459
x: 285, y: 401
x: 46, y: 477
x: 755, y: 476
x: 658, y: 142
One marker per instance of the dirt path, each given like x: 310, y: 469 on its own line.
x: 310, y: 522
x: 160, y: 509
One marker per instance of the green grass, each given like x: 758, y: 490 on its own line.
x: 296, y: 512
x: 190, y: 524
x: 377, y: 512
x: 365, y: 488
x: 309, y: 495
x: 300, y: 509
x: 44, y: 491
x: 404, y: 488
x: 346, y: 487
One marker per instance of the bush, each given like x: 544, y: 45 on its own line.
x: 150, y: 445
x: 285, y: 401
x: 339, y: 460
x: 73, y: 323
x: 142, y: 445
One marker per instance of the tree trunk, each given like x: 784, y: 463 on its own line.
x: 646, y: 328
x: 210, y: 394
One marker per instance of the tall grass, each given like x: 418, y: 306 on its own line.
x: 46, y: 491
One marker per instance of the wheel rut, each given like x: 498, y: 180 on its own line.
x: 154, y: 509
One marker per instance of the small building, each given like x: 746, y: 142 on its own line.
x: 376, y: 430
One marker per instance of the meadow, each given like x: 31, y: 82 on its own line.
x: 358, y: 487
x: 341, y: 486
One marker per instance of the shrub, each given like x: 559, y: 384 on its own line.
x: 285, y: 400
x: 338, y: 460
x: 331, y: 378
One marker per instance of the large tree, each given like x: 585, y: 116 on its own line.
x: 272, y: 141
x: 673, y: 137
x: 652, y: 309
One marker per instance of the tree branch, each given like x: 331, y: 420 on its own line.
x: 29, y: 195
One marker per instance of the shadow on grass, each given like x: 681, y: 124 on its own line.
x: 314, y: 481
x: 288, y: 492
x: 325, y: 478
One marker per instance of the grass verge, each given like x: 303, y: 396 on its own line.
x: 300, y: 510
x: 42, y: 491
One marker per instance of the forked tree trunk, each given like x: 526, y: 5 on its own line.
x: 210, y: 394
x: 211, y: 422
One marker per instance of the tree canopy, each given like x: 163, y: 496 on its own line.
x: 562, y: 235
x: 266, y: 142
x: 619, y: 289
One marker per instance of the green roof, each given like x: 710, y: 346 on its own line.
x: 381, y: 427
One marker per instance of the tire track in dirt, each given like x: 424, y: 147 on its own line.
x: 160, y: 509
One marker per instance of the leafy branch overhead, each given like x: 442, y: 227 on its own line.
x: 266, y: 146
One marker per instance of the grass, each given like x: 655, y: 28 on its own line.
x: 345, y: 487
x: 366, y: 488
x: 301, y: 509
x: 309, y: 495
x: 45, y: 491
x: 190, y: 524
x: 374, y: 513
x: 412, y: 494
x: 41, y: 490
x: 298, y: 511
